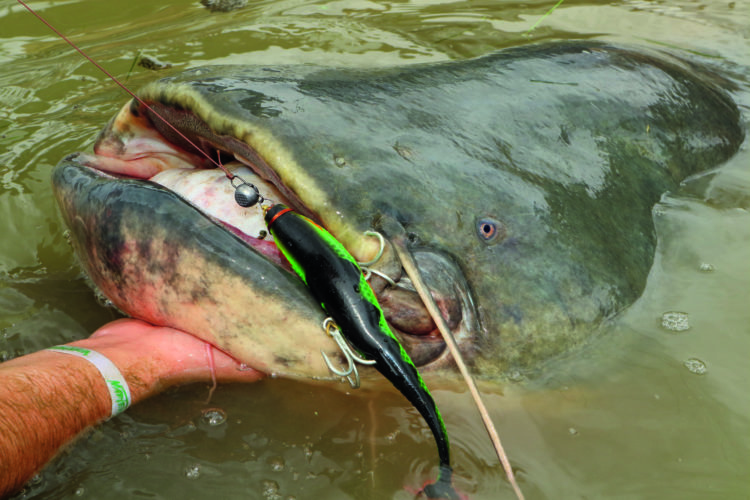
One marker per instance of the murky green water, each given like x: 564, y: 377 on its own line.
x: 643, y: 412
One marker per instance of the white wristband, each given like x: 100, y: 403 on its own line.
x: 119, y: 391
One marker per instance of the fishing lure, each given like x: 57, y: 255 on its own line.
x: 336, y: 281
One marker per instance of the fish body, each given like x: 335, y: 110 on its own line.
x: 525, y: 180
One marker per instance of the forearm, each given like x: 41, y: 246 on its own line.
x: 47, y: 398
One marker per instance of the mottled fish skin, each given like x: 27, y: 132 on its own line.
x: 159, y: 259
x: 534, y: 169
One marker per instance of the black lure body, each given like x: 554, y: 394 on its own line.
x: 336, y: 281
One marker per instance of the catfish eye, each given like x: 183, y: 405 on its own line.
x: 490, y: 230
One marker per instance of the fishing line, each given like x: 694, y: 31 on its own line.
x: 542, y: 18
x: 126, y: 89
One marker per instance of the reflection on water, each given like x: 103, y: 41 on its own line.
x: 656, y: 408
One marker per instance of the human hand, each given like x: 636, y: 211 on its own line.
x: 153, y: 358
x: 47, y: 398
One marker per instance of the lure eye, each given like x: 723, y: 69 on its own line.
x: 490, y: 230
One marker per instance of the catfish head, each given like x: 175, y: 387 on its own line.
x: 524, y: 180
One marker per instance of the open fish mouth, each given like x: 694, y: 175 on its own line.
x: 138, y: 145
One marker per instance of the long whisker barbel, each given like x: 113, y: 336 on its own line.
x: 398, y: 240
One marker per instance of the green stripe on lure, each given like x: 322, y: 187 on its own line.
x: 336, y: 281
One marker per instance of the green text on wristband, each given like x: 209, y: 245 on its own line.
x: 119, y: 392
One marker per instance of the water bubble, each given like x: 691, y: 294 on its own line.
x: 277, y: 464
x: 213, y: 416
x: 193, y: 471
x: 340, y: 161
x: 675, y: 321
x: 696, y: 366
x: 270, y: 490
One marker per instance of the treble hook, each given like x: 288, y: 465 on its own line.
x: 380, y: 252
x: 351, y: 358
x: 365, y: 266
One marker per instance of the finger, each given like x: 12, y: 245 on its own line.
x: 124, y: 326
x: 186, y: 353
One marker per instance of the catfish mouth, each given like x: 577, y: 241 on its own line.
x: 139, y: 144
